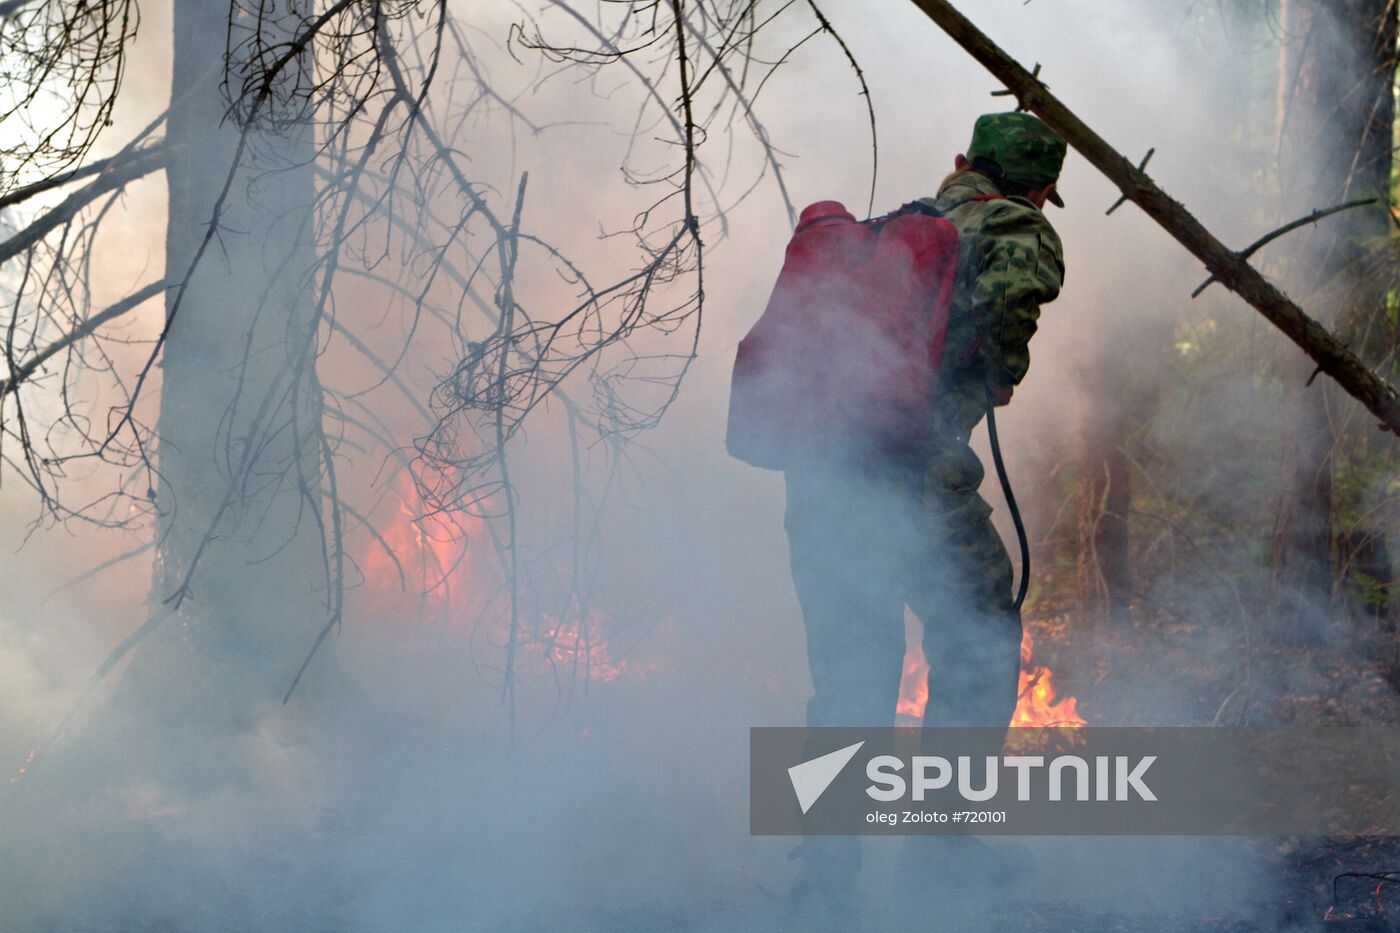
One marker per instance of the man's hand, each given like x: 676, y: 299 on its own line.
x: 1000, y: 395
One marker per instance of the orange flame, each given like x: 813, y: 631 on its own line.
x: 1036, y: 706
x: 913, y: 685
x: 581, y: 649
x: 438, y: 568
x: 423, y: 566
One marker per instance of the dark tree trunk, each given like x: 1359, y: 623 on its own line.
x: 237, y: 453
x: 1336, y: 114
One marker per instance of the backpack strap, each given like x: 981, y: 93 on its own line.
x: 927, y: 209
x: 904, y: 210
x: 918, y: 207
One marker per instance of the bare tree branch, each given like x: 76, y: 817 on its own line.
x: 116, y: 176
x: 32, y: 365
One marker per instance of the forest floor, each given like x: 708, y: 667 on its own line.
x: 1152, y: 668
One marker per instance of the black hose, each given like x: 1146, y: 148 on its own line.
x: 1010, y: 502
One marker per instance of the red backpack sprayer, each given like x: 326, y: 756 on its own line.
x: 847, y: 353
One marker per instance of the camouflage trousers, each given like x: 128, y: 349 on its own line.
x: 866, y: 541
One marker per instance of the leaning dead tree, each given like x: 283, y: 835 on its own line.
x: 1229, y: 267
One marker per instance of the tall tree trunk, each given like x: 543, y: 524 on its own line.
x: 239, y: 581
x: 1336, y: 111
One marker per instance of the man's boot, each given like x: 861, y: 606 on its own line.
x: 824, y: 896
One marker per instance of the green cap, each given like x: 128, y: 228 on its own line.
x: 1028, y: 151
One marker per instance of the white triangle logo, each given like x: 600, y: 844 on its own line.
x: 811, y: 778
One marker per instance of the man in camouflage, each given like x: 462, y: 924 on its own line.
x: 1010, y: 262
x: 915, y: 530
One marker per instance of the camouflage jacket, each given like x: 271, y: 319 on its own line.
x: 1010, y: 262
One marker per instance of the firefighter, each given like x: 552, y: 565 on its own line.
x: 1010, y: 262
x: 911, y: 527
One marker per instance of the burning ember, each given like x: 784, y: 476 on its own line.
x: 422, y: 567
x: 442, y: 570
x: 579, y: 650
x: 24, y: 768
x: 1036, y: 704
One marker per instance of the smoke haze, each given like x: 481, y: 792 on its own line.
x: 393, y: 795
